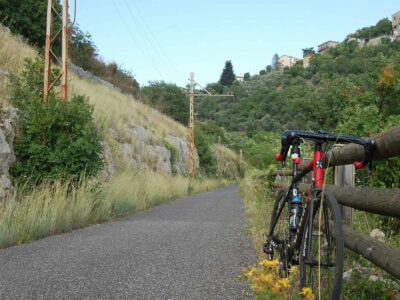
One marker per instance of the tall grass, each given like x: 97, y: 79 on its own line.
x: 13, y: 52
x: 119, y: 111
x: 59, y: 207
x: 258, y: 203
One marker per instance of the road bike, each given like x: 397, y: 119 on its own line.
x: 308, y: 230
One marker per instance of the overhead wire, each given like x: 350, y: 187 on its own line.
x: 148, y: 57
x: 145, y: 36
x: 152, y: 36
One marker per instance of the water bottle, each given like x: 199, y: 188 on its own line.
x: 296, y: 209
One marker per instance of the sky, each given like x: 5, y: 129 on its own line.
x: 166, y: 40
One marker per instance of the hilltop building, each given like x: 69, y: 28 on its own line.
x: 287, y: 61
x: 240, y: 77
x: 396, y: 25
x: 325, y: 46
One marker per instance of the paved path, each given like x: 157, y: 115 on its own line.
x: 191, y: 248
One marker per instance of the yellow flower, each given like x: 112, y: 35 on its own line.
x: 266, y: 279
x: 294, y: 271
x: 307, y: 293
x: 284, y: 283
x: 249, y: 273
x: 269, y: 263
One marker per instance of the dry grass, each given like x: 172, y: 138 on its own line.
x: 229, y: 163
x: 55, y: 208
x: 258, y: 203
x: 119, y: 111
x: 112, y: 108
x: 13, y: 52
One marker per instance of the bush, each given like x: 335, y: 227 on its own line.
x: 55, y: 140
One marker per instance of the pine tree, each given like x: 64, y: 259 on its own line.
x: 275, y: 62
x: 227, y: 76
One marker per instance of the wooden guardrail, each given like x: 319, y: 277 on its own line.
x: 384, y: 202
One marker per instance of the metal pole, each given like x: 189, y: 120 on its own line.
x: 64, y: 87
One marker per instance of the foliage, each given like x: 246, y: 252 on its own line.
x: 308, y: 51
x: 266, y: 282
x: 28, y: 18
x: 55, y: 140
x: 227, y: 76
x: 61, y: 206
x: 246, y: 76
x: 383, y: 27
x: 275, y: 64
x: 168, y: 99
x: 174, y: 154
x: 208, y: 163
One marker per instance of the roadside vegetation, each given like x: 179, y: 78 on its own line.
x: 350, y: 90
x: 58, y: 149
x: 55, y: 207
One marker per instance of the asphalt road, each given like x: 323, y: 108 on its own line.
x: 192, y: 248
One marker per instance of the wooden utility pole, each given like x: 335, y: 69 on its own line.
x: 49, y: 54
x: 192, y: 159
x: 192, y: 147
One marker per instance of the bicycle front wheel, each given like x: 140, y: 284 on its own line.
x: 280, y: 232
x: 321, y: 259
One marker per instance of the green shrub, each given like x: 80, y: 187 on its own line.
x: 55, y: 140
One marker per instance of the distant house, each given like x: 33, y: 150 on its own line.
x: 239, y: 77
x: 287, y: 61
x: 325, y: 46
x: 396, y: 25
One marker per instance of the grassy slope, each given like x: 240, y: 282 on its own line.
x: 50, y: 209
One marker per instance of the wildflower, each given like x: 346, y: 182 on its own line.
x: 266, y: 279
x: 307, y: 293
x: 269, y: 263
x: 283, y: 283
x: 249, y: 273
x: 294, y: 271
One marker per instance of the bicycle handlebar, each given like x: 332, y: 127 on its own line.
x: 290, y: 137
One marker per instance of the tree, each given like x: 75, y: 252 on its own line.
x: 168, y: 99
x: 275, y: 62
x: 308, y: 51
x: 227, y: 76
x: 28, y: 18
x: 246, y: 76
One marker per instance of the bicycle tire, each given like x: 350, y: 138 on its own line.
x: 331, y: 275
x: 281, y: 229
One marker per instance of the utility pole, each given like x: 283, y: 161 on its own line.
x: 192, y: 147
x: 49, y: 54
x: 192, y: 159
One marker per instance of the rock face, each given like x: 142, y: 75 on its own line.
x: 139, y: 148
x: 7, y: 155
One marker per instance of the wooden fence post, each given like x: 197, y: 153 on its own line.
x: 345, y: 176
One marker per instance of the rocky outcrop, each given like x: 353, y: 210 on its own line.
x: 87, y: 75
x: 7, y: 155
x: 141, y: 149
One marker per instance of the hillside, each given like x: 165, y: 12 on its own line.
x: 135, y: 133
x: 340, y: 90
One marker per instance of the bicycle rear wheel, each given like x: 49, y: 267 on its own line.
x: 322, y: 271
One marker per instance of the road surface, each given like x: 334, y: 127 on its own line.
x: 192, y: 248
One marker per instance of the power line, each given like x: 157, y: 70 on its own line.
x: 145, y: 36
x: 152, y: 36
x: 148, y: 58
